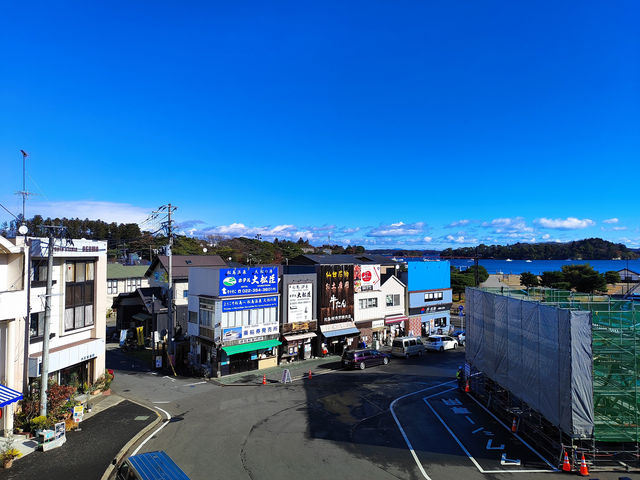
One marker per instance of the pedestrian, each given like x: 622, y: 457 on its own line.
x: 460, y: 377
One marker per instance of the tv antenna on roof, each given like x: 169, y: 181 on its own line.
x: 24, y: 193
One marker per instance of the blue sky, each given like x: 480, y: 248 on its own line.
x: 405, y: 124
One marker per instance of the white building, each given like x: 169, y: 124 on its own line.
x: 124, y: 279
x: 13, y: 314
x: 379, y: 306
x: 78, y: 308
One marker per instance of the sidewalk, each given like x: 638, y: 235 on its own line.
x: 299, y: 369
x: 87, y: 453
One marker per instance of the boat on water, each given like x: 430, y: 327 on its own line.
x: 508, y: 260
x: 528, y: 261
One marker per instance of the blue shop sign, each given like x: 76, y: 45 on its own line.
x: 249, y: 303
x: 248, y: 281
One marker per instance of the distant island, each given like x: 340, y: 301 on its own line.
x: 587, y: 249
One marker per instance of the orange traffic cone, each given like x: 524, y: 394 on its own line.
x: 264, y: 379
x: 466, y: 387
x: 584, y: 471
x: 310, y: 375
x: 514, y: 425
x: 566, y: 466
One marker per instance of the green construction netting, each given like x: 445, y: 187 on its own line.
x: 616, y: 357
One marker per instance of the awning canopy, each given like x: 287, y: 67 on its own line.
x: 395, y: 319
x: 8, y: 395
x: 343, y: 332
x: 250, y: 347
x: 300, y: 336
x: 141, y: 317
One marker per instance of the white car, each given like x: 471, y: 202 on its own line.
x: 440, y: 343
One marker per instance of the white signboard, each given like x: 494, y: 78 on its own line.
x: 300, y: 303
x: 366, y: 277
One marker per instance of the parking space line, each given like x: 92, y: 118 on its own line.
x: 515, y: 434
x: 470, y: 420
x: 404, y: 435
x: 464, y: 449
x: 478, y: 430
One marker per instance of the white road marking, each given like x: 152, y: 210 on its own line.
x: 192, y: 384
x: 162, y: 402
x: 515, y: 434
x: 172, y: 379
x: 470, y: 420
x: 460, y: 411
x: 404, y: 435
x: 164, y: 424
x: 478, y: 429
x: 426, y: 401
x: 491, y: 447
x: 450, y: 402
x: 480, y: 469
x: 506, y: 461
x: 488, y: 433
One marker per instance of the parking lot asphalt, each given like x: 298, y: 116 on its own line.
x: 87, y: 453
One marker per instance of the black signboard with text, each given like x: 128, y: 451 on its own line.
x: 335, y: 285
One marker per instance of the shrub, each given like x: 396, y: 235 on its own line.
x: 40, y: 423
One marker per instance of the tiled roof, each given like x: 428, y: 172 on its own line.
x: 117, y: 271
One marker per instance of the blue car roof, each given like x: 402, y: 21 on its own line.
x: 157, y: 466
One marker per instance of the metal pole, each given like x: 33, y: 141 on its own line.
x: 44, y: 375
x: 171, y: 325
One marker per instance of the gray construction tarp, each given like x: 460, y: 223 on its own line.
x: 540, y: 353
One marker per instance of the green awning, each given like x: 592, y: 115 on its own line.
x: 249, y: 347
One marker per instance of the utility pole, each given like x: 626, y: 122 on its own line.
x: 168, y: 226
x: 44, y: 373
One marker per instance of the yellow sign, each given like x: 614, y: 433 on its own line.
x: 140, y: 332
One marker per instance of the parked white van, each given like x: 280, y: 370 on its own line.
x: 407, y: 346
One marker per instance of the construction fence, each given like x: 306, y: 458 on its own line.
x: 572, y: 357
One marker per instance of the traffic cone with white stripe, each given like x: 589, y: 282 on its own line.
x: 310, y: 375
x: 466, y: 387
x: 514, y: 425
x: 584, y: 471
x: 264, y: 379
x: 566, y: 465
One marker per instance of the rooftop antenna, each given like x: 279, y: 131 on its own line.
x: 23, y: 192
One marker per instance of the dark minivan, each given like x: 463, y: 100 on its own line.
x: 364, y: 358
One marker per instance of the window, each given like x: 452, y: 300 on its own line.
x: 112, y: 287
x: 440, y: 322
x: 39, y: 273
x: 36, y: 326
x: 393, y: 300
x: 368, y: 303
x: 206, y: 318
x: 133, y: 283
x: 79, y: 290
x: 433, y: 296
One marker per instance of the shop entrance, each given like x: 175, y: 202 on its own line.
x: 76, y: 376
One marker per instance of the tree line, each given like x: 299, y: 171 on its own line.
x: 587, y: 249
x: 581, y: 278
x: 126, y: 238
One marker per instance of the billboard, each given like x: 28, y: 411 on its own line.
x: 336, y: 293
x: 300, y: 302
x: 249, y: 303
x: 366, y: 277
x: 248, y: 281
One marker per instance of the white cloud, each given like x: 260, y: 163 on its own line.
x: 569, y: 223
x: 546, y: 236
x: 106, y: 211
x: 458, y: 223
x: 508, y: 225
x: 610, y: 220
x: 427, y: 239
x: 618, y: 229
x: 460, y: 239
x: 397, y: 230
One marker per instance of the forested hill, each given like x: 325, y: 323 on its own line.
x: 587, y: 249
x: 126, y: 238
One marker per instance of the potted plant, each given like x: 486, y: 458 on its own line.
x: 8, y: 453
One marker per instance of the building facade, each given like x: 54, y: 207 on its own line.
x: 233, y: 322
x: 298, y: 317
x: 124, y: 279
x: 429, y: 297
x: 13, y: 314
x: 78, y: 310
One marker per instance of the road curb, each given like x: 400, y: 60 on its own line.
x: 123, y: 451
